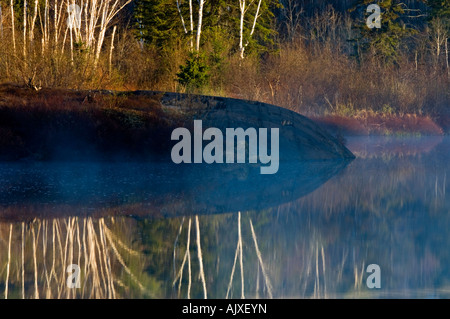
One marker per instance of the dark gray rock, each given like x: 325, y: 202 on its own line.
x: 300, y: 137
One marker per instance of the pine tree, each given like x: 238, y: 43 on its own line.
x: 439, y: 8
x: 157, y: 21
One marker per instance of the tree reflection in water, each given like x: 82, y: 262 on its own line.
x: 390, y: 209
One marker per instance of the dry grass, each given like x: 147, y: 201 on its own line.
x: 40, y: 125
x: 370, y: 123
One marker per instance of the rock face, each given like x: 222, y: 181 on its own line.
x: 300, y: 138
x: 64, y: 125
x: 135, y: 139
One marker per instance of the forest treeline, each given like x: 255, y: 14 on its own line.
x: 314, y: 57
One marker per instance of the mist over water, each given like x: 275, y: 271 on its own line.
x: 308, y: 231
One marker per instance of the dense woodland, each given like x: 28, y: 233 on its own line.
x: 315, y: 57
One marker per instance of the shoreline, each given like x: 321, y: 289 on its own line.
x: 378, y: 124
x: 68, y: 124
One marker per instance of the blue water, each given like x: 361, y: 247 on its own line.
x: 309, y: 231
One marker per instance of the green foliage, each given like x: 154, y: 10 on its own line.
x: 195, y: 73
x: 439, y: 8
x: 387, y: 109
x: 157, y: 21
x: 263, y: 37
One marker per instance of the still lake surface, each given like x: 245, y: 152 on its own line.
x: 160, y: 231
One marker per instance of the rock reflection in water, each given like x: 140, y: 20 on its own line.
x: 390, y: 209
x: 157, y: 189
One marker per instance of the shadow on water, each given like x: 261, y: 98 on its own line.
x: 311, y: 233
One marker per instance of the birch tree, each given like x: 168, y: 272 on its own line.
x: 439, y: 19
x: 250, y: 15
x: 108, y: 10
x: 13, y: 28
x: 60, y: 21
x: 191, y: 19
x: 201, y: 4
x: 25, y: 29
x: 199, y: 25
x: 33, y: 21
x: 1, y: 22
x: 243, y: 9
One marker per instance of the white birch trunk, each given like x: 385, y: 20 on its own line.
x: 254, y: 20
x: 96, y: 19
x: 191, y: 21
x: 191, y: 17
x: 55, y: 22
x: 25, y: 28
x: 13, y: 26
x: 33, y: 20
x: 71, y: 44
x: 46, y: 27
x: 108, y: 13
x: 438, y: 46
x: 241, y: 27
x: 181, y: 17
x: 199, y: 26
x: 58, y: 22
x: 446, y: 57
x: 1, y: 22
x: 111, y: 49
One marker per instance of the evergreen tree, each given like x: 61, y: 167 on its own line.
x: 439, y: 8
x: 157, y: 21
x: 194, y: 74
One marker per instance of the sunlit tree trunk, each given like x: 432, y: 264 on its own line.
x: 439, y: 38
x: 46, y: 27
x: 199, y: 26
x: 446, y: 57
x: 109, y: 10
x: 241, y: 27
x: 111, y: 49
x: 33, y: 20
x: 71, y: 44
x: 13, y: 26
x: 1, y: 22
x: 25, y: 29
x: 55, y: 21
x: 243, y: 9
x: 191, y: 23
x: 181, y: 17
x: 191, y: 18
x: 254, y: 21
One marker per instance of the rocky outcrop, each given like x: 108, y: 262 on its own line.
x: 300, y: 137
x: 68, y: 125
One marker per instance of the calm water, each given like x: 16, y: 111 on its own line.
x: 155, y: 230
